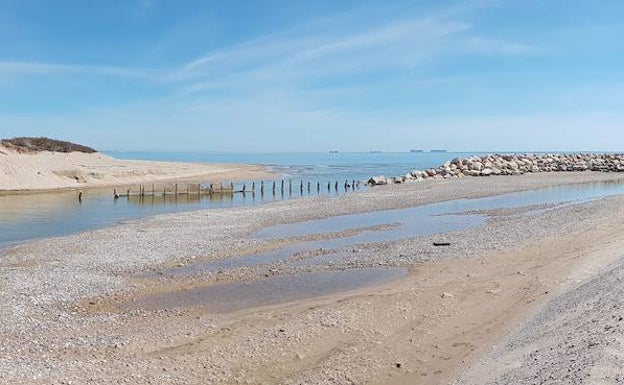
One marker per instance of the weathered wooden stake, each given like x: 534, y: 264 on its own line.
x: 318, y: 187
x: 336, y: 186
x: 176, y: 189
x: 308, y: 187
x: 301, y: 187
x: 253, y: 186
x: 262, y: 187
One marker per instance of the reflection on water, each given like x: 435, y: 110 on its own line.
x: 410, y: 224
x: 418, y: 219
x: 42, y: 215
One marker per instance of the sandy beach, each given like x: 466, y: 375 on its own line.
x: 46, y: 170
x: 493, y: 307
x: 311, y: 193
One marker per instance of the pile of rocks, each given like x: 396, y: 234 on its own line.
x: 489, y: 165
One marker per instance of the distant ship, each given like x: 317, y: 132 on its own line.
x: 333, y: 151
x: 438, y: 150
x: 413, y: 151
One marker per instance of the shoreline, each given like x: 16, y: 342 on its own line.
x: 314, y: 327
x: 24, y: 173
x: 253, y: 172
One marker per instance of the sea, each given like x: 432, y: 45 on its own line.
x: 324, y: 166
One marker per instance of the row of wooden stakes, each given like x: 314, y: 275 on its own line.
x: 219, y: 188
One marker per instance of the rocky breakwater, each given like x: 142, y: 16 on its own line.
x: 490, y: 165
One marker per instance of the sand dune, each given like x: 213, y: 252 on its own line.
x: 53, y: 170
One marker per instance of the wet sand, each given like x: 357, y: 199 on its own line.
x: 67, y: 310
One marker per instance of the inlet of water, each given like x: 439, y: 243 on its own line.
x: 44, y: 215
x: 422, y: 220
x: 399, y: 224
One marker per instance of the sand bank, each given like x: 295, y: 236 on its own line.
x: 65, y: 315
x: 54, y: 170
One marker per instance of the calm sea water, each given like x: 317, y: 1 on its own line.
x: 322, y: 166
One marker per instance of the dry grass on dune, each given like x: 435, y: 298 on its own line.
x: 25, y: 144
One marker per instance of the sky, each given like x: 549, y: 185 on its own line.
x: 300, y: 75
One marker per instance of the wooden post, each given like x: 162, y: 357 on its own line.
x: 274, y: 187
x: 353, y: 185
x: 232, y: 186
x: 290, y: 186
x: 262, y: 187
x: 164, y: 191
x: 253, y: 186
x: 301, y: 187
x: 282, y: 186
x: 308, y: 187
x: 346, y: 186
x: 128, y: 193
x: 244, y: 187
x: 328, y: 186
x: 336, y: 186
x: 318, y: 187
x: 176, y: 189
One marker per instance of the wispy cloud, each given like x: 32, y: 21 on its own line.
x: 313, y: 51
x: 489, y: 46
x: 322, y: 65
x: 37, y: 68
x: 304, y: 57
x: 146, y: 4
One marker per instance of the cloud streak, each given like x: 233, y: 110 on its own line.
x: 23, y: 68
x: 299, y: 59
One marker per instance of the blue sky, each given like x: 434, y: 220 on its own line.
x: 315, y: 75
